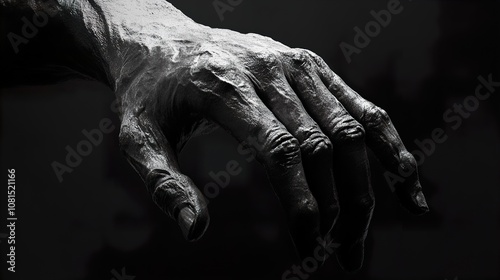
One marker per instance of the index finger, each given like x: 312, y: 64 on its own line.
x: 382, y: 138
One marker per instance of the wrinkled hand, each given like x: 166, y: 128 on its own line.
x: 313, y: 130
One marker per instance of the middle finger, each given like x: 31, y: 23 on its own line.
x: 351, y: 166
x: 316, y: 147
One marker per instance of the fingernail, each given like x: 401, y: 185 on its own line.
x: 421, y: 202
x: 186, y: 221
x: 351, y: 257
x: 413, y: 199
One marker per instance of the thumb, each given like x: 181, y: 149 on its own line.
x: 149, y: 152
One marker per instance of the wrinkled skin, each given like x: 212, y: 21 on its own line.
x: 174, y: 77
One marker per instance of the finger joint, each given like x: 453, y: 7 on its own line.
x: 375, y: 116
x: 317, y: 145
x: 284, y: 149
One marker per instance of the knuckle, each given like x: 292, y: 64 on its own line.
x: 199, y: 63
x: 126, y: 137
x: 301, y: 58
x: 215, y: 77
x: 268, y: 59
x: 312, y: 55
x: 365, y: 204
x: 165, y: 190
x: 375, y: 116
x: 284, y: 149
x: 407, y: 163
x: 352, y: 134
x: 349, y: 131
x: 209, y: 65
x: 317, y: 145
x: 218, y: 65
x: 322, y: 66
x: 306, y: 211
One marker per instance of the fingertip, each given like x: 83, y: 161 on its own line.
x: 421, y: 202
x: 305, y: 241
x: 413, y: 199
x: 350, y: 257
x: 179, y: 198
x: 193, y: 225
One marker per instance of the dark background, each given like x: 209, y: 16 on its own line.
x: 100, y: 218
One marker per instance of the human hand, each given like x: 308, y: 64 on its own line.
x: 173, y: 76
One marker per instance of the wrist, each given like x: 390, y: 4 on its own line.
x: 122, y: 34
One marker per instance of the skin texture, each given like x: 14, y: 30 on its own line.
x: 174, y: 77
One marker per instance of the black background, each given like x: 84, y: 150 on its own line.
x: 100, y: 217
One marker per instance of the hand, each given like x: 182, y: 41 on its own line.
x: 173, y: 77
x: 313, y: 127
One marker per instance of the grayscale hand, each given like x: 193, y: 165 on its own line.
x: 173, y: 76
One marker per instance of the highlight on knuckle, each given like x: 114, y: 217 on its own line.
x: 375, y: 116
x: 316, y: 146
x: 301, y: 59
x: 407, y: 163
x: 267, y: 59
x: 218, y: 78
x: 348, y: 132
x: 284, y: 149
x: 306, y: 211
x: 316, y: 58
x: 127, y: 137
x: 210, y: 65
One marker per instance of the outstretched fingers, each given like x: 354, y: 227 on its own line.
x: 316, y: 147
x: 351, y: 166
x: 382, y: 138
x: 237, y: 108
